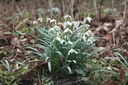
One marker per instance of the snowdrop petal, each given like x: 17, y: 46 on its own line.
x: 69, y: 42
x: 72, y: 51
x: 67, y: 30
x: 63, y: 42
x: 48, y: 19
x: 40, y: 20
x: 53, y: 21
x: 35, y: 22
x: 67, y: 17
x: 87, y: 19
x: 69, y: 23
x: 58, y: 38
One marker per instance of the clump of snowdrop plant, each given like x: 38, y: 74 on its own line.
x: 66, y: 47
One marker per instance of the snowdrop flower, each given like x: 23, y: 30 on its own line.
x: 88, y: 37
x: 51, y: 29
x: 67, y: 30
x: 57, y: 38
x: 90, y: 40
x: 40, y: 20
x: 35, y: 22
x: 70, y: 43
x: 63, y: 41
x: 48, y: 19
x: 55, y: 29
x: 84, y: 38
x: 88, y: 33
x: 76, y: 23
x: 60, y: 40
x: 68, y: 23
x: 52, y: 20
x: 72, y: 51
x: 67, y: 17
x: 87, y: 19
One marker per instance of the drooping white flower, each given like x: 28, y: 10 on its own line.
x: 53, y: 21
x: 40, y: 19
x: 58, y: 38
x: 88, y: 33
x: 68, y: 23
x: 63, y: 41
x: 70, y: 43
x: 55, y: 29
x: 72, y: 51
x: 87, y: 19
x: 88, y: 37
x: 90, y: 40
x: 67, y: 30
x: 48, y: 19
x: 76, y: 23
x: 67, y: 17
x: 35, y: 22
x: 84, y: 38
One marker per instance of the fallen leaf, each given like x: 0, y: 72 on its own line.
x: 122, y: 73
x: 110, y: 82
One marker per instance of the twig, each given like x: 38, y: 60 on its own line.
x: 21, y: 23
x: 19, y: 10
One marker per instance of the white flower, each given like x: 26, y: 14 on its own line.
x: 90, y: 40
x: 51, y: 20
x: 40, y: 20
x: 67, y: 17
x: 55, y: 29
x: 68, y: 23
x: 76, y: 23
x: 87, y: 19
x: 88, y: 37
x: 62, y: 41
x: 35, y: 22
x: 70, y: 43
x: 58, y: 38
x: 48, y: 19
x: 84, y: 38
x: 51, y: 29
x: 72, y: 51
x: 88, y: 33
x: 67, y: 30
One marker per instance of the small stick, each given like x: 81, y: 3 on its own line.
x: 21, y: 23
x: 19, y: 10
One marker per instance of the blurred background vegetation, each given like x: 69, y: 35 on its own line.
x: 13, y: 12
x: 58, y: 8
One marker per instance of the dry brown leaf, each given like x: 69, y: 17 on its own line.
x: 110, y: 82
x: 122, y: 73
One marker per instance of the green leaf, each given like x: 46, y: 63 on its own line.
x: 80, y: 71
